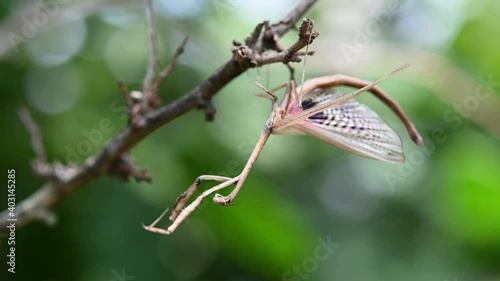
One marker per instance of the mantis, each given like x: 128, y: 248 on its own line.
x: 322, y: 112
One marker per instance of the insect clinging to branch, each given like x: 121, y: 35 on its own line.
x: 322, y: 112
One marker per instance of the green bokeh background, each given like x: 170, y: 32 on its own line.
x: 437, y: 217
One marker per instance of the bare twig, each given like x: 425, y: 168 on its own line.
x: 309, y: 53
x: 34, y: 131
x: 153, y: 52
x: 39, y: 165
x: 168, y: 69
x: 126, y: 94
x: 306, y: 37
x: 253, y: 39
x: 71, y: 179
x: 245, y: 55
x: 293, y: 16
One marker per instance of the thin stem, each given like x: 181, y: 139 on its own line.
x: 34, y: 131
x: 168, y: 69
x: 153, y: 52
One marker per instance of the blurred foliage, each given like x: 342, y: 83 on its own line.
x: 437, y: 217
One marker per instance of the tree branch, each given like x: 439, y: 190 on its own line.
x: 68, y: 179
x: 34, y: 131
x: 153, y: 52
x: 170, y: 67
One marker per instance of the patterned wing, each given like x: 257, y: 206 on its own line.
x: 351, y: 126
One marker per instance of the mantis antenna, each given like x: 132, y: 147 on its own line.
x: 304, y: 69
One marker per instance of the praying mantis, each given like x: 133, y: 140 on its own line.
x: 322, y: 112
